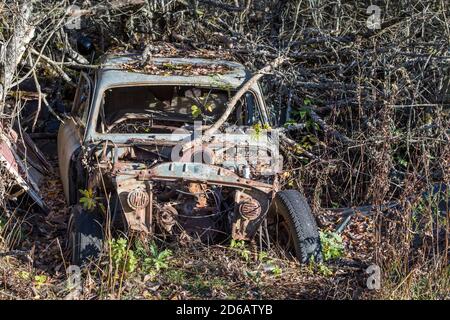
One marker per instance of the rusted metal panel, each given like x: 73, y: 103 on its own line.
x: 7, y: 156
x: 136, y: 217
x: 200, y: 172
x: 113, y: 73
x: 22, y: 171
x: 252, y: 207
x: 29, y: 150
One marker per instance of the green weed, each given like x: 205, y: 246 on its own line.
x: 332, y: 246
x: 240, y: 248
x: 90, y: 201
x: 122, y: 256
x: 157, y: 260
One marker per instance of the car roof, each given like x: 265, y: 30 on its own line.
x: 123, y: 69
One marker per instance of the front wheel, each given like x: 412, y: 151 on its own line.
x: 85, y: 235
x: 292, y: 226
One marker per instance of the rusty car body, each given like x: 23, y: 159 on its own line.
x: 123, y: 141
x: 24, y: 167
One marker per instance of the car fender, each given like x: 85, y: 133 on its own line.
x: 69, y: 140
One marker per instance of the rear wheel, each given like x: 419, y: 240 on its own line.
x: 85, y: 235
x: 293, y: 227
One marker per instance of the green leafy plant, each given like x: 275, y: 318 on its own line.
x: 157, y: 260
x: 401, y: 159
x: 290, y: 122
x: 277, y: 271
x: 90, y: 201
x: 196, y: 111
x: 319, y: 268
x: 262, y: 256
x: 324, y: 270
x: 40, y: 280
x: 332, y: 246
x: 240, y: 248
x: 255, y: 276
x: 258, y: 129
x: 176, y: 276
x: 123, y: 258
x: 25, y: 275
x: 304, y: 111
x: 304, y: 114
x: 269, y: 264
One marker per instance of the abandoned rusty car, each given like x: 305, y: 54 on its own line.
x: 124, y: 146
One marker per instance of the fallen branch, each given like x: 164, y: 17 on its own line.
x: 55, y: 65
x: 231, y: 105
x: 38, y: 89
x: 297, y: 147
x: 14, y: 253
x: 348, y: 213
x: 292, y: 127
x: 329, y: 130
x: 51, y: 109
x: 223, y: 6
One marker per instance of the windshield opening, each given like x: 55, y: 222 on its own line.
x: 163, y: 109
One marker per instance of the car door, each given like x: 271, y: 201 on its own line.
x: 71, y: 132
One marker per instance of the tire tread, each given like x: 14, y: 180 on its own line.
x: 303, y: 225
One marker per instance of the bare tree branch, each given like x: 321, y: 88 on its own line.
x: 234, y: 100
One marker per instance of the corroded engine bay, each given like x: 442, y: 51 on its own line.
x: 207, y: 194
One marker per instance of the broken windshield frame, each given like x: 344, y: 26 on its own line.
x: 91, y: 135
x: 175, y: 105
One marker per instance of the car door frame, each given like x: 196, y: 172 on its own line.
x: 71, y: 136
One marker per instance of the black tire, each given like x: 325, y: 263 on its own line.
x: 85, y: 235
x: 290, y: 213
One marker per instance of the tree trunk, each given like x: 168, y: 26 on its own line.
x: 12, y: 50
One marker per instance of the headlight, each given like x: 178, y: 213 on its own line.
x: 138, y: 199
